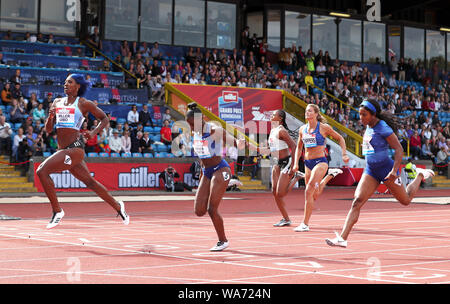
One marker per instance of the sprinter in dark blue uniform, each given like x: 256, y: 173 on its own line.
x: 208, y: 141
x: 378, y: 138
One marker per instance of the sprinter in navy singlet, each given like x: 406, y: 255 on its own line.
x: 207, y: 142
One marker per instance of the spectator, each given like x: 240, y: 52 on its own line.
x: 17, y: 113
x: 17, y: 91
x: 19, y: 137
x: 145, y: 117
x: 115, y: 143
x: 16, y: 78
x: 415, y: 145
x: 6, y: 94
x: 52, y: 145
x: 133, y: 116
x: 426, y: 150
x: 5, y: 136
x: 442, y: 161
x: 155, y: 51
x: 39, y: 113
x: 136, y: 141
x: 166, y: 115
x: 94, y: 39
x: 126, y: 141
x: 168, y: 176
x: 166, y: 133
x: 145, y: 144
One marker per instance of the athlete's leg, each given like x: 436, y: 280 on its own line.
x: 276, y: 175
x: 405, y: 196
x: 81, y: 172
x: 219, y: 184
x: 366, y: 187
x: 314, y: 177
x: 202, y: 196
x: 59, y: 161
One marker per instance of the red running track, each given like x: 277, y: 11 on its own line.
x: 166, y: 243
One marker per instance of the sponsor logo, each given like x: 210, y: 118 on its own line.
x: 138, y: 178
x: 229, y: 96
x: 65, y: 180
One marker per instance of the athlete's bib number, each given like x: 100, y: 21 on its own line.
x: 367, y: 148
x: 201, y: 148
x: 65, y: 117
x: 309, y: 140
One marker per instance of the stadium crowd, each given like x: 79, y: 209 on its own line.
x: 408, y: 88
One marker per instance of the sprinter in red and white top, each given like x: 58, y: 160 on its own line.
x: 67, y: 115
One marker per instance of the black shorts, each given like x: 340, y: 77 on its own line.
x: 284, y: 163
x: 79, y: 143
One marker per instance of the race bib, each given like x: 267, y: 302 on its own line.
x: 65, y: 117
x: 367, y: 148
x: 309, y: 140
x: 201, y: 147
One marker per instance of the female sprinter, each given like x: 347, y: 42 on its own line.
x: 280, y: 144
x: 378, y: 138
x: 208, y: 141
x: 67, y: 115
x: 312, y: 137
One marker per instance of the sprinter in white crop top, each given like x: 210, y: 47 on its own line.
x: 282, y: 146
x: 66, y: 115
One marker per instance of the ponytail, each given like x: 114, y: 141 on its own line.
x: 193, y: 109
x: 282, y: 114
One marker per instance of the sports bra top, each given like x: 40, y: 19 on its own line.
x: 276, y: 144
x: 68, y: 116
x: 314, y: 139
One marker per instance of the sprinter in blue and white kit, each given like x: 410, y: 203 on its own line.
x: 378, y: 138
x: 208, y: 140
x: 312, y: 137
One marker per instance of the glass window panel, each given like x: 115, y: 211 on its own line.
x: 448, y: 52
x: 255, y: 23
x: 273, y: 30
x: 121, y: 19
x: 324, y: 35
x: 189, y: 22
x: 156, y: 21
x: 435, y: 48
x: 58, y: 17
x: 350, y: 40
x: 414, y: 44
x: 394, y: 39
x: 297, y: 30
x: 221, y: 25
x: 374, y: 42
x: 19, y: 16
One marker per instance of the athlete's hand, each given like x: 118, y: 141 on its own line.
x: 88, y: 135
x: 392, y: 176
x: 345, y: 158
x: 293, y: 170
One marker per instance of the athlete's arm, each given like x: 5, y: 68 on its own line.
x: 50, y: 121
x: 88, y: 106
x: 329, y: 131
x: 298, y: 150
